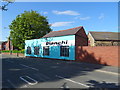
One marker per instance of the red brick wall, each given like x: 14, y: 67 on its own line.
x: 107, y: 55
x: 81, y: 39
x: 19, y: 54
x: 8, y: 47
x: 0, y: 47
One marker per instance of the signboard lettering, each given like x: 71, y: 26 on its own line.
x: 57, y: 43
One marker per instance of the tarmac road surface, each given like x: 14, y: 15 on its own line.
x: 19, y: 72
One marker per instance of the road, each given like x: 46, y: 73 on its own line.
x: 45, y: 73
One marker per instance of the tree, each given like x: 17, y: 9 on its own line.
x: 26, y: 26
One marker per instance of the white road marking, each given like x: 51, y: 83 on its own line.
x: 35, y: 82
x: 73, y: 81
x: 11, y: 83
x: 103, y: 71
x: 29, y: 67
x: 107, y: 72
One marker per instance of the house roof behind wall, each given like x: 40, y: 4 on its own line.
x: 105, y: 35
x: 71, y: 31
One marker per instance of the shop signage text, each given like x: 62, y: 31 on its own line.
x: 57, y: 43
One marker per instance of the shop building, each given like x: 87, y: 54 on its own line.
x: 57, y: 44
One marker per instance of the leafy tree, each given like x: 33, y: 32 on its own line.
x: 28, y: 25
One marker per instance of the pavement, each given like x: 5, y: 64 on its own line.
x: 105, y: 69
x: 24, y: 72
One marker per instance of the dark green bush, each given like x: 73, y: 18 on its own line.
x: 6, y: 51
x: 13, y: 51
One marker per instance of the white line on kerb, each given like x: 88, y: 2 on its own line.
x: 72, y: 81
x: 107, y: 72
x: 29, y: 67
x: 35, y: 82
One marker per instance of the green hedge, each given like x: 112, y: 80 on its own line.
x: 6, y: 51
x: 13, y: 51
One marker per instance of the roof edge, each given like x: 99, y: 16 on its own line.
x: 67, y: 29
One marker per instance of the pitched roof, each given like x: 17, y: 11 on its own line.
x: 70, y: 31
x: 105, y: 35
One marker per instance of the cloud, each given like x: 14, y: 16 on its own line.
x: 45, y: 12
x: 83, y: 18
x: 101, y: 16
x: 67, y: 12
x: 59, y: 24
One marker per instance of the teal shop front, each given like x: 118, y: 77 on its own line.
x: 57, y: 44
x: 62, y: 47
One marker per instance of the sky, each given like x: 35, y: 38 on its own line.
x: 93, y: 16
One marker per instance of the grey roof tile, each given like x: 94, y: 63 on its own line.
x: 105, y: 35
x: 71, y: 31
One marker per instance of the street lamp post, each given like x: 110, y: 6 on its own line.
x: 3, y: 8
x: 17, y: 54
x: 10, y: 47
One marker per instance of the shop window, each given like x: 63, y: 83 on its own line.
x: 64, y: 51
x: 36, y: 50
x: 46, y: 50
x: 28, y: 50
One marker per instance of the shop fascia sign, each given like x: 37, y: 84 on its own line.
x: 63, y: 42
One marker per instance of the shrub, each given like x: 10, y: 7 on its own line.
x: 13, y: 51
x: 5, y: 51
x: 22, y: 51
